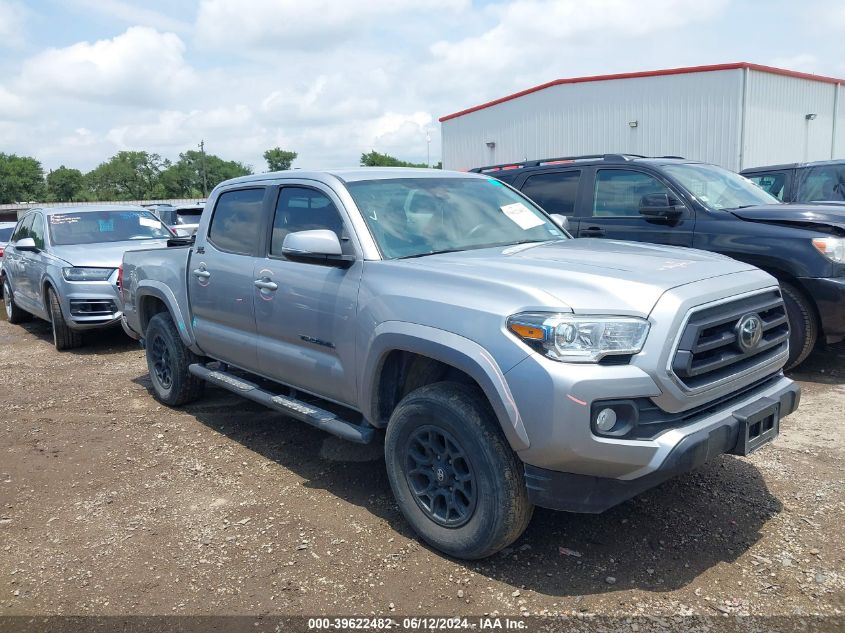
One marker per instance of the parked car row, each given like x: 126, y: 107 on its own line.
x: 507, y: 364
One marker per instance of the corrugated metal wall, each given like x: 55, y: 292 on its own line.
x: 695, y: 115
x: 776, y: 127
x: 692, y: 115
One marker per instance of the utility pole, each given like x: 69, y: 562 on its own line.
x: 204, y: 177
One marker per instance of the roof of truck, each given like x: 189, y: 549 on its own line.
x: 353, y: 174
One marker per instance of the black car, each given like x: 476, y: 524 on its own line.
x: 671, y: 200
x: 821, y: 182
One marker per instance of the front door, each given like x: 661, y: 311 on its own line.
x: 220, y: 278
x: 305, y: 310
x: 17, y: 264
x: 615, y: 210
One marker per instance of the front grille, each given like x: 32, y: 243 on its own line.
x: 711, y: 348
x: 92, y: 308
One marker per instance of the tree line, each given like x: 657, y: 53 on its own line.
x: 140, y: 175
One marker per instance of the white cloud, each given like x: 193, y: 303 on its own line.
x: 177, y: 129
x: 12, y: 23
x: 297, y: 25
x: 12, y: 106
x: 526, y: 29
x: 132, y: 14
x: 141, y: 66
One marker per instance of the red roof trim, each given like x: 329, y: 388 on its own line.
x: 648, y: 73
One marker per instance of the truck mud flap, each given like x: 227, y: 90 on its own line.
x: 302, y: 411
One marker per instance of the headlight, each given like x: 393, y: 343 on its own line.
x: 580, y: 339
x: 87, y: 274
x: 831, y: 247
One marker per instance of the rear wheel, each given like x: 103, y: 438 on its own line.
x: 13, y: 313
x: 63, y: 336
x: 803, y: 325
x: 168, y: 360
x: 454, y: 476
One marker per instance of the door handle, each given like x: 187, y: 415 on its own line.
x: 266, y: 285
x: 592, y: 231
x: 201, y: 273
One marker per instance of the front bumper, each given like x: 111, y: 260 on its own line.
x: 829, y: 297
x: 688, y: 448
x: 91, y: 304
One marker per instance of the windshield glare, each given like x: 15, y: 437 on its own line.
x: 410, y: 217
x: 96, y: 227
x: 718, y: 188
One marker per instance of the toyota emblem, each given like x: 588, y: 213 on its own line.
x: 749, y: 331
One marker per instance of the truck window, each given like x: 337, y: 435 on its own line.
x: 772, y: 183
x: 823, y: 183
x: 236, y: 223
x: 554, y: 192
x: 303, y: 209
x: 619, y: 191
x: 23, y: 229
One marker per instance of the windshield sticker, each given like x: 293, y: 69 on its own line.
x: 150, y: 222
x: 521, y: 215
x: 105, y: 226
x: 64, y: 219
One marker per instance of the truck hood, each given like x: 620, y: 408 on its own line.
x: 108, y: 255
x: 589, y: 275
x: 799, y: 214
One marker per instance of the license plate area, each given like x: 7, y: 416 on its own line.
x: 759, y: 423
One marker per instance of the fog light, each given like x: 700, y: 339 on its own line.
x: 606, y: 420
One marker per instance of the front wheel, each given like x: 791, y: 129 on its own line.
x: 168, y: 360
x: 64, y: 337
x: 803, y: 326
x: 13, y: 313
x: 454, y: 476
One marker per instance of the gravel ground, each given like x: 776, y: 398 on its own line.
x: 112, y: 504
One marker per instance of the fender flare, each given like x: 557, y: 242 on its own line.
x: 152, y: 288
x: 451, y: 349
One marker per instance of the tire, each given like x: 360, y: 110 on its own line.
x: 490, y: 509
x: 64, y: 337
x: 14, y: 314
x: 168, y: 360
x: 803, y: 325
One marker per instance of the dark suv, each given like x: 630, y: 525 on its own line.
x: 681, y: 202
x: 821, y: 182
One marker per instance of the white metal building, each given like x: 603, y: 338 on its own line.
x: 735, y: 115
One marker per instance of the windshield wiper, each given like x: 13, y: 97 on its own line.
x: 473, y: 248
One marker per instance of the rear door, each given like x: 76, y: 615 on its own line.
x: 614, y: 203
x: 556, y: 192
x: 16, y: 263
x: 305, y: 310
x: 220, y: 277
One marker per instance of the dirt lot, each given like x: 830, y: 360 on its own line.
x: 112, y: 504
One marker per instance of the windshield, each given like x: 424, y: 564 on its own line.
x: 6, y: 233
x: 95, y: 227
x: 188, y: 216
x: 718, y: 188
x: 410, y: 217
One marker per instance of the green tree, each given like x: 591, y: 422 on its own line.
x: 65, y: 185
x: 184, y: 178
x: 21, y: 179
x: 279, y: 159
x: 128, y: 176
x: 376, y: 159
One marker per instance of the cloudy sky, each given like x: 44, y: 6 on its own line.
x: 330, y: 79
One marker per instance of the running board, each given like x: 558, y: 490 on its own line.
x: 308, y: 413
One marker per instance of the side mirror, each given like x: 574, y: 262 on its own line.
x: 561, y: 220
x: 660, y: 205
x: 26, y: 245
x: 318, y: 244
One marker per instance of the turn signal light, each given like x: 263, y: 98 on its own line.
x: 527, y: 331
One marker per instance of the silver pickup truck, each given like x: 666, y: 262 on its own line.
x: 507, y: 365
